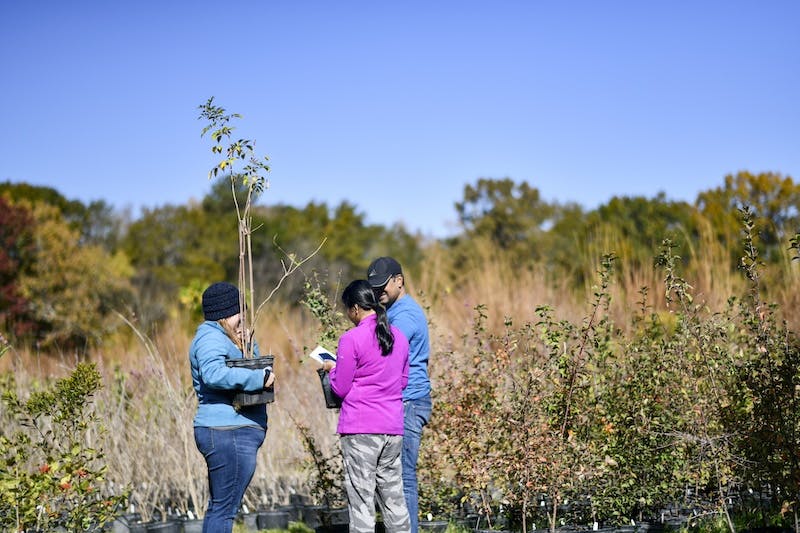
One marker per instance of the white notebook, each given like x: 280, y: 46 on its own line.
x: 321, y: 355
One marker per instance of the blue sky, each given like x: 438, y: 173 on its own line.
x: 396, y: 106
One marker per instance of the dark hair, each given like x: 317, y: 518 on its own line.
x: 360, y: 293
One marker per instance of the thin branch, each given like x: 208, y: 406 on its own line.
x: 287, y: 271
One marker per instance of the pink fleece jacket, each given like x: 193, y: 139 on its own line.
x: 369, y: 383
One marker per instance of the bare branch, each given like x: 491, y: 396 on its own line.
x: 294, y: 264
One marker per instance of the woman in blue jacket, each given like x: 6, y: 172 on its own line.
x: 228, y: 438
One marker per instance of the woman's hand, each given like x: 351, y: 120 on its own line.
x: 269, y: 378
x: 328, y: 365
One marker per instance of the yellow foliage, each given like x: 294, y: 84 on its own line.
x: 71, y: 287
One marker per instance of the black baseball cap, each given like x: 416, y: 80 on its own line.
x: 381, y: 270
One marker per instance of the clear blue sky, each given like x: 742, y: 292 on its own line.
x: 395, y: 106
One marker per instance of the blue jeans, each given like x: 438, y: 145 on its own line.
x: 416, y: 414
x: 231, y: 459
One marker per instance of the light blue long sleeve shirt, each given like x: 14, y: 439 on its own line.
x: 215, y: 383
x: 409, y: 318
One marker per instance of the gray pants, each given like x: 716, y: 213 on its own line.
x: 372, y: 467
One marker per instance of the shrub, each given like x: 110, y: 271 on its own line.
x: 591, y: 422
x: 50, y: 474
x: 325, y: 470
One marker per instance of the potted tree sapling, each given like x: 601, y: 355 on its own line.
x: 247, y: 174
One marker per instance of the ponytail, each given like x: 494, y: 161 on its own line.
x: 359, y: 292
x: 384, y: 334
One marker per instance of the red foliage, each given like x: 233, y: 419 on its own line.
x: 16, y: 248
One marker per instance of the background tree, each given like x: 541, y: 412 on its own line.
x: 97, y: 223
x: 71, y: 289
x: 173, y: 247
x: 565, y: 241
x: 100, y: 224
x: 775, y: 204
x: 36, y: 194
x: 512, y: 215
x: 351, y: 242
x: 16, y: 248
x: 218, y: 200
x: 635, y: 226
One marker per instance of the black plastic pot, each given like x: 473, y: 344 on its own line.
x: 437, y: 526
x: 244, y: 399
x: 129, y: 523
x: 312, y: 515
x: 336, y: 517
x: 467, y: 522
x: 652, y: 527
x: 169, y: 526
x: 273, y: 520
x: 249, y: 521
x: 332, y: 401
x: 335, y: 528
x: 334, y: 521
x: 293, y: 511
x: 194, y: 525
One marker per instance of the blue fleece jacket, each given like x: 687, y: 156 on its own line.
x: 215, y: 383
x: 409, y: 318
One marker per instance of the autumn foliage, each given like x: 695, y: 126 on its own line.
x: 595, y: 366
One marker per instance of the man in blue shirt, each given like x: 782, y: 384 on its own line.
x: 386, y: 277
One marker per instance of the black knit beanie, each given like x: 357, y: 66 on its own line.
x: 220, y: 300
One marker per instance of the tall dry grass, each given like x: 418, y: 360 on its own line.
x: 148, y: 403
x: 147, y: 406
x: 452, y: 287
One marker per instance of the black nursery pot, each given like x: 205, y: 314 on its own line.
x: 170, y: 526
x: 244, y: 399
x: 194, y: 525
x: 275, y: 519
x: 332, y: 401
x: 129, y: 523
x: 437, y: 526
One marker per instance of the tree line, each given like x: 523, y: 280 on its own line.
x: 67, y: 268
